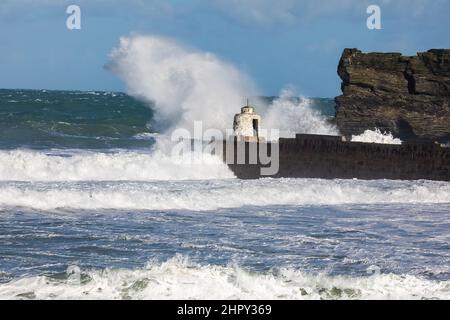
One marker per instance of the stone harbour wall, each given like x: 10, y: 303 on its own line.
x: 328, y: 157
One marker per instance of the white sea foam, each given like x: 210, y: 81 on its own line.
x: 216, y: 194
x: 180, y: 279
x: 27, y: 165
x: 376, y: 136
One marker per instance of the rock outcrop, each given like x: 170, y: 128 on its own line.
x: 408, y: 96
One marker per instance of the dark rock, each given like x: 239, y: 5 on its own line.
x: 408, y: 96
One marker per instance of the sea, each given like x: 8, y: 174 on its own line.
x: 92, y: 208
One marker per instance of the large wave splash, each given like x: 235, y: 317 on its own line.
x: 184, y: 84
x: 188, y: 85
x: 217, y: 194
x: 178, y: 278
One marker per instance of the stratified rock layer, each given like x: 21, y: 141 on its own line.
x: 408, y: 96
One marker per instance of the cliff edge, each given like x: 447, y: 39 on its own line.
x: 408, y: 96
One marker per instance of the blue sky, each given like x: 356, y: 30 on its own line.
x: 277, y: 43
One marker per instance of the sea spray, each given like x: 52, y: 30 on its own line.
x: 184, y: 84
x: 376, y: 136
x: 296, y: 115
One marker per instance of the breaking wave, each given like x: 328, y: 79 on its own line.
x: 217, y: 194
x: 178, y: 278
x: 28, y: 165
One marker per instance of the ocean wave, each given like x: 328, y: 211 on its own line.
x: 178, y: 278
x: 216, y: 194
x: 28, y: 165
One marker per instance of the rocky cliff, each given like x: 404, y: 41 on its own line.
x: 408, y: 96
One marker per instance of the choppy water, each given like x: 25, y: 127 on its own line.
x: 42, y: 119
x: 89, y: 209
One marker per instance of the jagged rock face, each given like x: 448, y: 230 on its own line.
x: 408, y: 96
